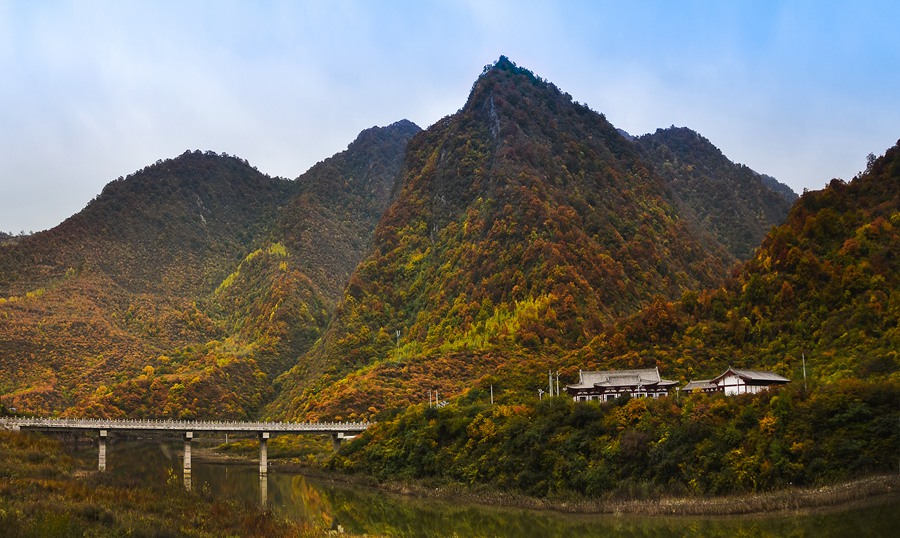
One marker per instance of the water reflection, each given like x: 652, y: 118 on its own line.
x: 419, y: 519
x: 362, y: 511
x: 263, y: 490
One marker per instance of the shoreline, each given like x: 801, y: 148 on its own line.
x: 869, y: 491
x: 860, y: 492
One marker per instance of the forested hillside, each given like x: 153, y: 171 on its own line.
x: 525, y: 223
x: 824, y: 284
x: 697, y: 446
x: 161, y: 230
x: 281, y: 297
x: 182, y: 290
x: 329, y: 224
x: 110, y: 291
x: 735, y: 204
x: 509, y: 237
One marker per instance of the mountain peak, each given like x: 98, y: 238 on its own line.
x: 503, y: 68
x: 404, y: 124
x: 403, y: 129
x: 503, y: 64
x: 525, y: 222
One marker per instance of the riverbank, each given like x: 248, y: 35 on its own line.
x: 869, y: 490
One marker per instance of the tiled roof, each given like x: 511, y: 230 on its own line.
x: 755, y: 375
x: 700, y: 384
x: 620, y: 378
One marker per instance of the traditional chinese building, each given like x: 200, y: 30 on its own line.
x: 700, y: 385
x: 608, y: 384
x: 738, y: 381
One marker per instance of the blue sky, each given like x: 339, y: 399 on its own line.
x: 93, y: 90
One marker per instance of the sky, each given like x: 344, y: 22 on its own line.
x: 94, y: 90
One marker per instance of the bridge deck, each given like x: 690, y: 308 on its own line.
x: 183, y: 425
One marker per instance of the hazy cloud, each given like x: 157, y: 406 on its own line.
x: 95, y: 90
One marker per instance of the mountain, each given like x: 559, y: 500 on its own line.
x: 525, y: 223
x: 510, y: 234
x: 735, y: 204
x: 823, y: 290
x: 282, y: 295
x: 329, y: 224
x: 182, y: 290
x: 779, y: 187
x: 819, y: 302
x: 157, y: 231
x: 98, y: 298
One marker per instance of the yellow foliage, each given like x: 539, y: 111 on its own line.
x: 767, y: 424
x: 502, y: 323
x: 629, y: 415
x: 28, y: 295
x: 229, y: 280
x: 277, y: 249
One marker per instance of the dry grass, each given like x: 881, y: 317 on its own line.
x: 790, y: 500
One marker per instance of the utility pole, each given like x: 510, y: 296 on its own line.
x: 557, y: 382
x: 804, y: 371
x: 550, y: 381
x: 492, y: 394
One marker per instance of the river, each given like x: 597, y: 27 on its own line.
x: 358, y: 511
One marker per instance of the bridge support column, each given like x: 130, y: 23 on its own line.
x: 263, y: 490
x: 336, y: 439
x: 101, y: 445
x: 187, y: 459
x: 263, y: 453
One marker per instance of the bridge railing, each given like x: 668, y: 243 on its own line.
x: 186, y: 425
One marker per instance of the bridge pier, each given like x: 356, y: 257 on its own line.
x: 336, y: 439
x: 187, y: 459
x: 263, y: 453
x: 263, y: 490
x: 101, y: 445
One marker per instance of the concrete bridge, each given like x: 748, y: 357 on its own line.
x: 263, y: 430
